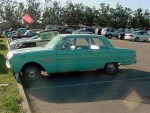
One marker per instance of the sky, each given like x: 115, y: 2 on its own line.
x: 133, y: 4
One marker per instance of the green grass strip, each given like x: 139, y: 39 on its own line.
x: 10, y: 100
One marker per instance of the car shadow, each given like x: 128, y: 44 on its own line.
x: 90, y: 86
x: 3, y: 68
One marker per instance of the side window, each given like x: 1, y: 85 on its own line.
x: 140, y: 33
x: 69, y: 44
x: 112, y: 30
x: 82, y: 43
x: 76, y: 43
x: 108, y: 30
x: 96, y: 43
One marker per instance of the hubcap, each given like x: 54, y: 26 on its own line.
x: 111, y: 67
x: 109, y: 36
x: 32, y: 73
x: 137, y: 39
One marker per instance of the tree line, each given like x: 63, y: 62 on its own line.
x: 54, y: 13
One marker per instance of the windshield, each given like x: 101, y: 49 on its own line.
x: 55, y: 42
x: 34, y: 37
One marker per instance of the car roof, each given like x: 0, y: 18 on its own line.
x: 103, y: 38
x: 141, y: 31
x: 79, y: 35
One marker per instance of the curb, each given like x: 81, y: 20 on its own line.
x: 24, y: 101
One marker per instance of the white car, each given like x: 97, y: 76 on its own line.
x: 137, y: 36
x: 148, y: 32
x: 82, y: 31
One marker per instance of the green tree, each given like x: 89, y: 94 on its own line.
x: 53, y: 13
x: 70, y: 15
x: 114, y: 17
x: 141, y: 19
x: 7, y: 12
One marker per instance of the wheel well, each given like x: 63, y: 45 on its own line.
x: 117, y: 63
x: 136, y: 39
x: 35, y: 64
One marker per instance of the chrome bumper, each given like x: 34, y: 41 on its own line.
x: 8, y: 64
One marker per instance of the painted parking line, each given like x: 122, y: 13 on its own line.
x: 91, y: 83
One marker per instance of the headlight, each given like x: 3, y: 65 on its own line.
x: 9, y: 55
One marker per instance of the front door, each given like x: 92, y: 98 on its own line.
x: 74, y: 55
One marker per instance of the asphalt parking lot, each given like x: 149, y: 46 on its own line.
x: 94, y: 91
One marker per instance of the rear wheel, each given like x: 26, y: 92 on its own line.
x: 111, y: 68
x: 137, y: 39
x: 31, y: 72
x: 121, y: 37
x: 109, y: 36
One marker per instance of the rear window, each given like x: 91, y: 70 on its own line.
x: 96, y: 43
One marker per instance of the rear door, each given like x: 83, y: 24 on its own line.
x: 100, y: 53
x: 141, y: 36
x: 146, y: 36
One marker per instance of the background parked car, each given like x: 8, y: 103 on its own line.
x: 10, y: 32
x: 109, y: 32
x: 22, y: 30
x: 121, y: 33
x: 27, y: 34
x: 137, y: 36
x: 82, y: 31
x: 148, y: 32
x: 38, y: 40
x: 89, y: 29
x: 30, y: 33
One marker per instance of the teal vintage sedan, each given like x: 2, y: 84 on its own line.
x: 67, y: 53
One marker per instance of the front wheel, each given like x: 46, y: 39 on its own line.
x: 31, y: 72
x: 111, y: 68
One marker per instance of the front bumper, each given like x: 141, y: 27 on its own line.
x: 8, y: 64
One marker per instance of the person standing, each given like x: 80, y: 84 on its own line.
x: 18, y: 33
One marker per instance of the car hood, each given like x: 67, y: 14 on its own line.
x: 25, y: 40
x: 30, y: 50
x: 19, y: 41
